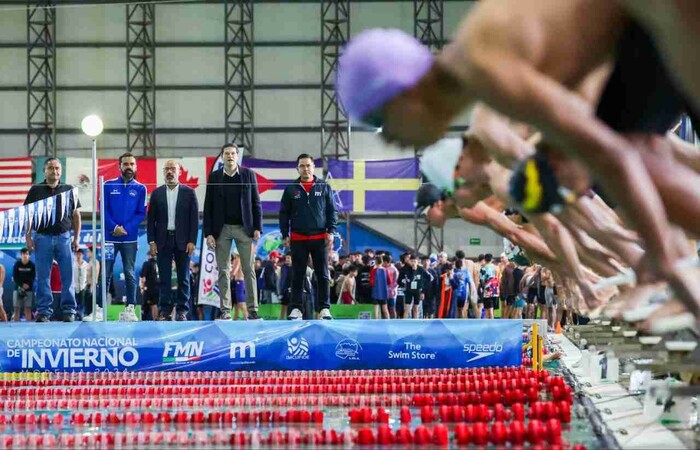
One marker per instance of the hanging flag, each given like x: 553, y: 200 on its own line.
x: 2, y: 224
x: 11, y: 232
x: 15, y: 181
x: 64, y: 205
x: 30, y: 215
x: 208, y: 271
x: 21, y: 210
x: 376, y: 185
x: 50, y: 213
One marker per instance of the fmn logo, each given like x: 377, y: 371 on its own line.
x: 297, y: 348
x: 182, y: 352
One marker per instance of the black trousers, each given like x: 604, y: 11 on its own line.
x: 318, y: 250
x: 165, y: 258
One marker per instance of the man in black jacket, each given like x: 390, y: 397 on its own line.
x: 232, y: 212
x: 172, y: 231
x: 415, y: 282
x: 308, y: 210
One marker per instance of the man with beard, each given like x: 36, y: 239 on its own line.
x: 53, y: 242
x: 124, y: 209
x: 173, y: 212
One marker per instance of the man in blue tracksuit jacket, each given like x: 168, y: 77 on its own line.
x: 307, y: 221
x: 124, y: 210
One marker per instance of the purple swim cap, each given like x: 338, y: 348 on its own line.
x: 376, y: 66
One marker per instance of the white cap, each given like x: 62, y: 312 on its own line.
x: 439, y: 161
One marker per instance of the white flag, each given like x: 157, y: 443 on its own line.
x: 208, y: 271
x: 50, y: 215
x: 64, y: 204
x: 22, y: 215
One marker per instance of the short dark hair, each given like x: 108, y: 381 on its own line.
x: 488, y: 257
x: 24, y: 250
x: 227, y: 145
x: 49, y: 160
x: 368, y: 250
x: 412, y: 256
x: 365, y: 260
x: 386, y: 257
x: 353, y: 268
x: 481, y: 256
x: 425, y: 257
x: 460, y: 254
x: 304, y: 156
x: 126, y: 155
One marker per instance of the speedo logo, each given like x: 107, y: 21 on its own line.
x: 482, y: 350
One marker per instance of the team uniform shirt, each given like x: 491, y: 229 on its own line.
x: 489, y: 281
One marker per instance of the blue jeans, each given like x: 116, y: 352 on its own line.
x: 182, y: 266
x: 49, y: 248
x: 128, y: 252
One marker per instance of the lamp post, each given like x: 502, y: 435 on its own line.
x: 92, y: 126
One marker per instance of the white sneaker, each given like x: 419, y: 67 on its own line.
x: 95, y: 316
x: 295, y: 315
x: 326, y: 314
x: 128, y: 315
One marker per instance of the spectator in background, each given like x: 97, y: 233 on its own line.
x: 257, y: 266
x: 233, y: 213
x: 508, y: 289
x: 489, y: 280
x: 125, y: 209
x: 392, y: 274
x: 80, y: 273
x: 346, y: 286
x: 23, y: 276
x: 432, y: 289
x: 194, y: 283
x: 379, y: 280
x: 364, y: 287
x: 269, y: 279
x: 148, y: 281
x: 238, y: 294
x: 90, y: 286
x: 285, y: 289
x: 53, y: 242
x: 415, y: 281
x: 462, y: 289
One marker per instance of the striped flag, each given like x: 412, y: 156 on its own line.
x: 15, y: 181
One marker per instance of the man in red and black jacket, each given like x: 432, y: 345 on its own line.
x: 308, y: 210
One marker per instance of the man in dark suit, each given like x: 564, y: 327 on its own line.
x: 172, y: 232
x: 232, y: 212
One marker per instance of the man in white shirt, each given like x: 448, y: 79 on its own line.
x: 80, y: 280
x: 173, y: 213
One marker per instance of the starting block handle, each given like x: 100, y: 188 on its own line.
x: 536, y: 344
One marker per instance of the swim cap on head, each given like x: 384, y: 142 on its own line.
x: 439, y: 161
x: 534, y: 186
x: 426, y: 195
x: 377, y: 65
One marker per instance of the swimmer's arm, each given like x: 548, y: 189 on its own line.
x: 496, y: 135
x: 499, y: 223
x: 516, y: 89
x: 684, y: 152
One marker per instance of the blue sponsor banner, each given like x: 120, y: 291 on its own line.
x: 259, y: 345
